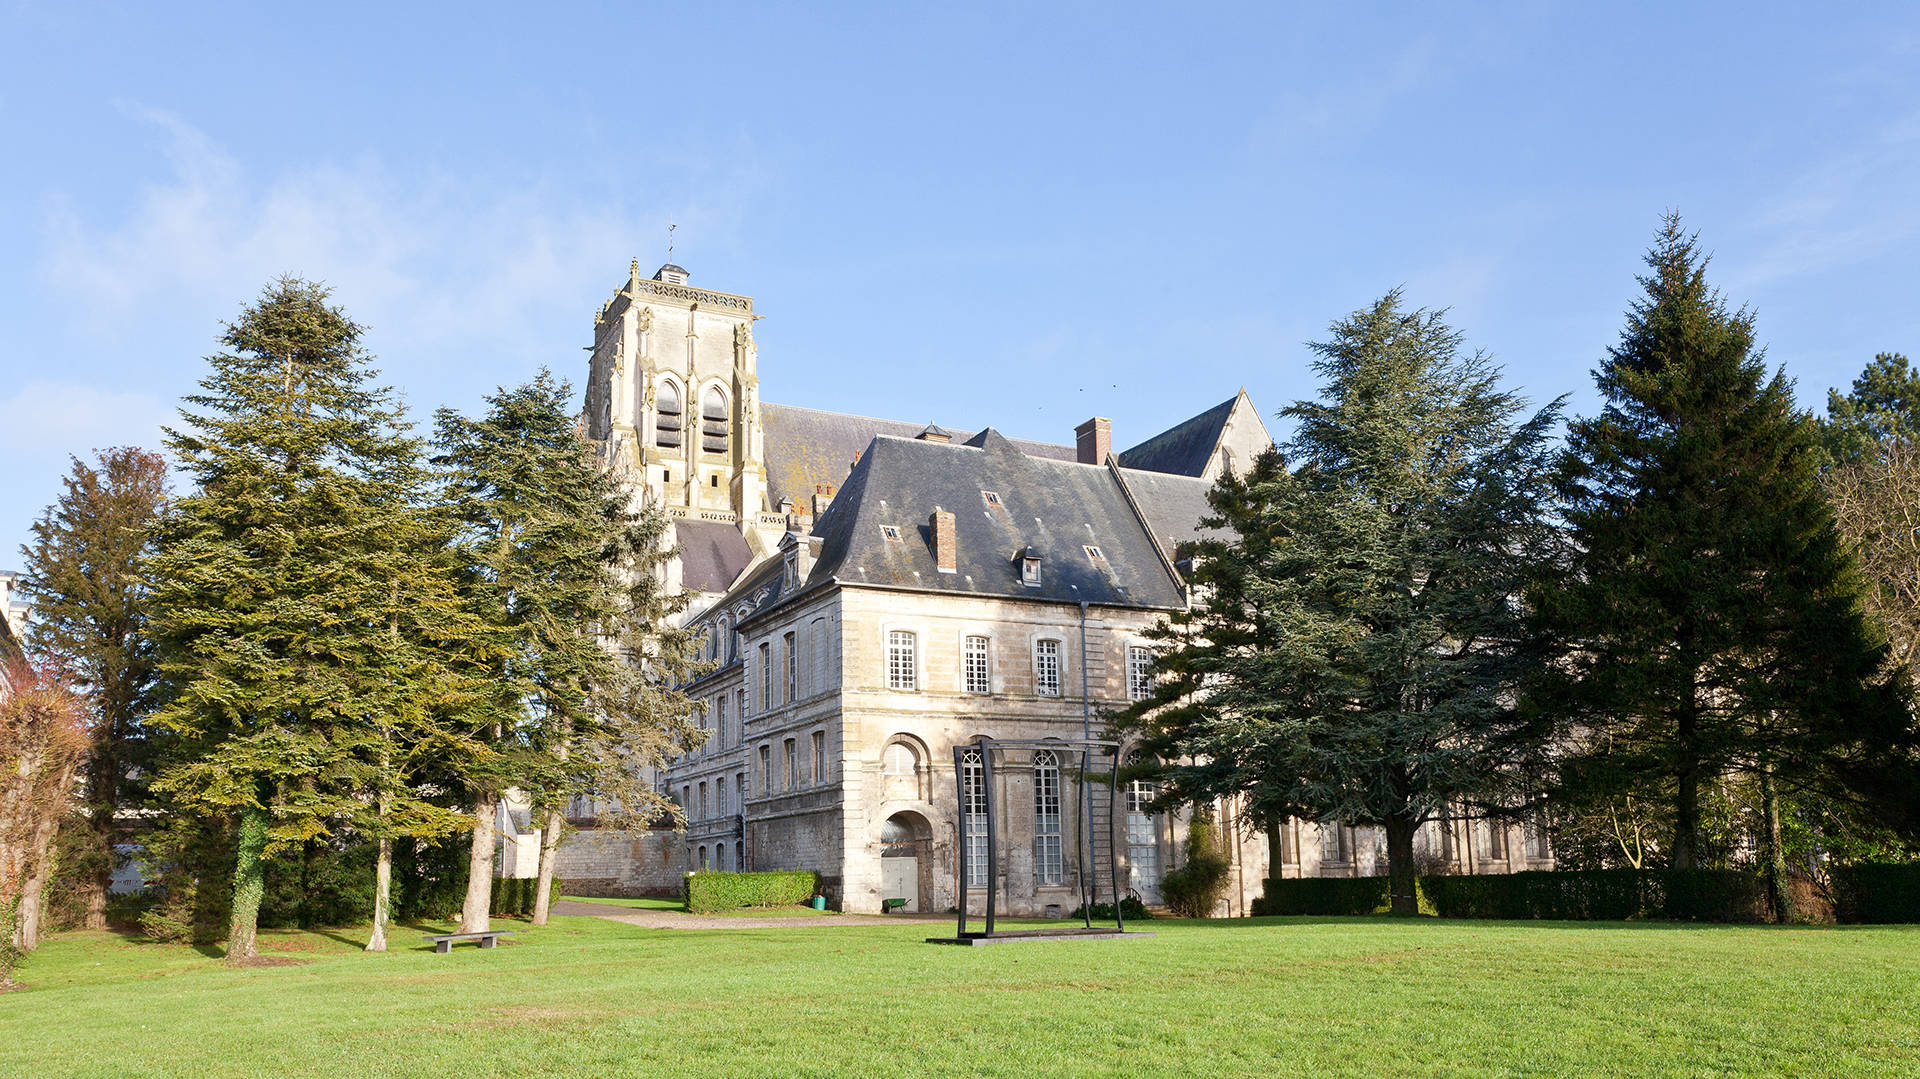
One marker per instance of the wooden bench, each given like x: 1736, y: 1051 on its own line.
x: 445, y: 943
x: 888, y: 906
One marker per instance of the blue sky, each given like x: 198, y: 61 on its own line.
x: 1017, y: 215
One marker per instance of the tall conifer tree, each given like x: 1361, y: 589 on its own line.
x: 86, y: 578
x: 275, y: 579
x: 1711, y: 617
x: 566, y: 577
x: 1356, y: 651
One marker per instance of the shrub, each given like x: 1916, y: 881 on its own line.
x: 1131, y: 909
x: 1702, y: 895
x: 708, y: 892
x: 1876, y: 893
x: 10, y: 953
x: 1195, y: 889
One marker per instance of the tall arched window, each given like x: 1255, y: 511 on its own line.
x: 973, y: 781
x: 713, y: 421
x: 1048, y: 865
x: 720, y: 856
x: 668, y: 413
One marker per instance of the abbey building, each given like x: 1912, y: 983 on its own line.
x: 876, y: 593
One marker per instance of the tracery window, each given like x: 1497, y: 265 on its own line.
x: 974, y: 818
x: 1049, y: 866
x: 667, y: 421
x: 713, y: 421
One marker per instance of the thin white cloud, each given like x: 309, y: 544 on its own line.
x: 68, y: 417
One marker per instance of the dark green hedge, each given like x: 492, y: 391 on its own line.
x: 1703, y: 895
x: 1324, y: 895
x: 1876, y: 893
x: 514, y: 896
x: 708, y: 892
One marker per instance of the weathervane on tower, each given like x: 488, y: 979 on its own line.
x: 670, y: 227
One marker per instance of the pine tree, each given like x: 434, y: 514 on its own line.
x: 1357, y: 658
x: 566, y: 577
x: 85, y: 576
x: 1884, y: 403
x: 1710, y: 617
x: 276, y: 584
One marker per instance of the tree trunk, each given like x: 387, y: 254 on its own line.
x: 1686, y: 808
x: 549, y: 842
x: 33, y: 888
x: 382, y: 888
x: 105, y: 782
x: 249, y: 884
x: 1776, y: 872
x: 478, y: 908
x: 1402, y: 880
x: 1276, y: 851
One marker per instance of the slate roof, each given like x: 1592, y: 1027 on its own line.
x: 1184, y: 448
x: 1173, y: 506
x: 1056, y: 507
x: 806, y: 446
x: 712, y: 554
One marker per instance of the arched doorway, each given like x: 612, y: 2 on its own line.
x: 904, y: 842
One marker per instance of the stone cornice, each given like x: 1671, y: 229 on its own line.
x: 667, y: 290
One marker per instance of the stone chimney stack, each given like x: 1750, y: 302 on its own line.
x: 946, y: 554
x: 1094, y: 439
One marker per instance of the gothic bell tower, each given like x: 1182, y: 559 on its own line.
x: 673, y: 397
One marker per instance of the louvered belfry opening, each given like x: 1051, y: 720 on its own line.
x: 667, y: 421
x: 713, y: 421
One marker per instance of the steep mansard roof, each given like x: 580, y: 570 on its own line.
x: 1057, y: 508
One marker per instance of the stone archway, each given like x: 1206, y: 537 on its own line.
x: 906, y: 849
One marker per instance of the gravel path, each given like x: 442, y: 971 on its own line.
x: 668, y: 919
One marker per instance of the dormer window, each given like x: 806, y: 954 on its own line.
x: 992, y: 497
x: 1030, y: 568
x: 891, y: 532
x: 1094, y: 553
x: 793, y: 568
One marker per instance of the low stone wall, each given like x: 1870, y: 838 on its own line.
x: 610, y: 863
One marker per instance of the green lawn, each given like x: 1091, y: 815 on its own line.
x: 1360, y: 997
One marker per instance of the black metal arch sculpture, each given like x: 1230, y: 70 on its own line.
x: 989, y: 749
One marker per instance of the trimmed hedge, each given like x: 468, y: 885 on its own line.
x: 1131, y: 909
x: 1702, y: 895
x: 1876, y: 893
x: 513, y: 897
x: 708, y: 892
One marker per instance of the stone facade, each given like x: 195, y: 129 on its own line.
x: 913, y: 590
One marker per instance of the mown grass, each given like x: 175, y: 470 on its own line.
x: 1361, y: 997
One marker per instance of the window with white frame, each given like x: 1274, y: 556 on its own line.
x: 1139, y: 672
x: 792, y: 658
x: 901, y: 659
x: 766, y: 678
x: 973, y: 783
x: 1049, y: 866
x: 818, y: 759
x: 1143, y: 836
x: 899, y: 760
x: 978, y: 672
x: 1046, y: 667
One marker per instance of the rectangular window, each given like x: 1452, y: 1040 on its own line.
x: 819, y: 761
x: 1046, y: 668
x: 703, y: 801
x: 740, y: 711
x: 1139, y: 672
x: 766, y: 678
x: 1290, y: 842
x: 720, y: 719
x: 720, y: 795
x: 766, y: 771
x: 740, y: 784
x: 1537, y: 841
x: 901, y: 660
x: 793, y: 668
x: 1492, y: 837
x: 793, y: 771
x: 1334, y: 845
x: 979, y: 678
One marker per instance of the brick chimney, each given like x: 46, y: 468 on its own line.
x: 946, y: 554
x: 1094, y: 440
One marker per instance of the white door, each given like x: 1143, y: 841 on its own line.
x: 1143, y: 843
x: 900, y: 879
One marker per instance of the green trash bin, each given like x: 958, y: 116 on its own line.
x: 818, y: 902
